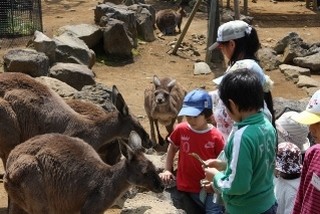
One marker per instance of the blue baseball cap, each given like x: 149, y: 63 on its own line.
x: 195, y: 102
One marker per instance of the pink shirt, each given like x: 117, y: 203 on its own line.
x: 206, y: 143
x: 308, y: 197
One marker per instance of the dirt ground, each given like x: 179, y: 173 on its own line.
x: 272, y: 21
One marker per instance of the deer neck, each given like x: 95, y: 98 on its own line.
x: 96, y: 132
x: 115, y: 182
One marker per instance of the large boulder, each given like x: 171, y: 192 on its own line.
x: 44, y: 44
x: 62, y: 88
x: 115, y: 33
x: 145, y: 22
x: 90, y: 34
x: 75, y: 75
x: 119, y: 12
x: 71, y: 49
x: 26, y: 61
x: 312, y: 62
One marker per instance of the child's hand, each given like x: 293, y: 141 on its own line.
x: 216, y: 163
x: 167, y: 177
x: 210, y: 173
x: 207, y: 185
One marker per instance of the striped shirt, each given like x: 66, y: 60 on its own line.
x: 308, y: 197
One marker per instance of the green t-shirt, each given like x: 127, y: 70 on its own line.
x: 247, y: 183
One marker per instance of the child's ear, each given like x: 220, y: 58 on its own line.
x: 233, y: 106
x: 232, y: 43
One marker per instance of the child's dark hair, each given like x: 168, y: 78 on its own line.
x: 269, y: 101
x: 207, y: 113
x: 288, y: 176
x: 246, y: 47
x: 243, y: 88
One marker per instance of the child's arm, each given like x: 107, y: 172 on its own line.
x: 167, y: 175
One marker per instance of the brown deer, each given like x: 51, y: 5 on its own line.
x: 109, y: 152
x: 162, y: 103
x: 167, y: 20
x: 29, y: 108
x: 59, y: 174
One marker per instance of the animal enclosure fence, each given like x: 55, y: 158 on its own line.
x: 20, y: 18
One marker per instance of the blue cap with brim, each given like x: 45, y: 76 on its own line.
x: 195, y: 102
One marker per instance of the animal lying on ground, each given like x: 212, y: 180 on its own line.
x: 58, y: 174
x: 29, y: 108
x: 162, y: 103
x: 167, y: 20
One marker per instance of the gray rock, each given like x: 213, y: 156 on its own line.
x: 98, y: 94
x: 292, y: 72
x: 281, y: 104
x: 62, y: 88
x: 26, y: 61
x: 144, y: 23
x: 90, y: 34
x: 115, y: 33
x: 268, y: 59
x: 44, y: 44
x: 305, y: 81
x: 295, y: 48
x: 71, y: 49
x: 119, y: 12
x: 201, y: 68
x: 282, y: 43
x: 75, y: 75
x: 312, y: 62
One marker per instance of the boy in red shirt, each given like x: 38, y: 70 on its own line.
x: 194, y: 136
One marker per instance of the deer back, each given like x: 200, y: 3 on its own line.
x: 65, y: 175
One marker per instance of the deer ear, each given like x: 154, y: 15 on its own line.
x: 156, y: 80
x: 135, y: 141
x: 171, y: 84
x: 130, y: 146
x: 126, y: 151
x: 118, y: 101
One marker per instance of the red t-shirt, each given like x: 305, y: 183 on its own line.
x: 207, y: 144
x: 308, y: 196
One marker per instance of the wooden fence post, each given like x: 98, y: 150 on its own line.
x: 186, y: 27
x: 213, y: 24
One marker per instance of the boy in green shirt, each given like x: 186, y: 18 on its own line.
x: 245, y: 180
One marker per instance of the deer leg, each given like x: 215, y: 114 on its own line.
x: 153, y: 136
x: 169, y: 128
x: 9, y: 131
x: 20, y: 170
x: 161, y: 140
x: 14, y: 208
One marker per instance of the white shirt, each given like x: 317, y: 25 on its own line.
x: 224, y: 123
x: 285, y: 191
